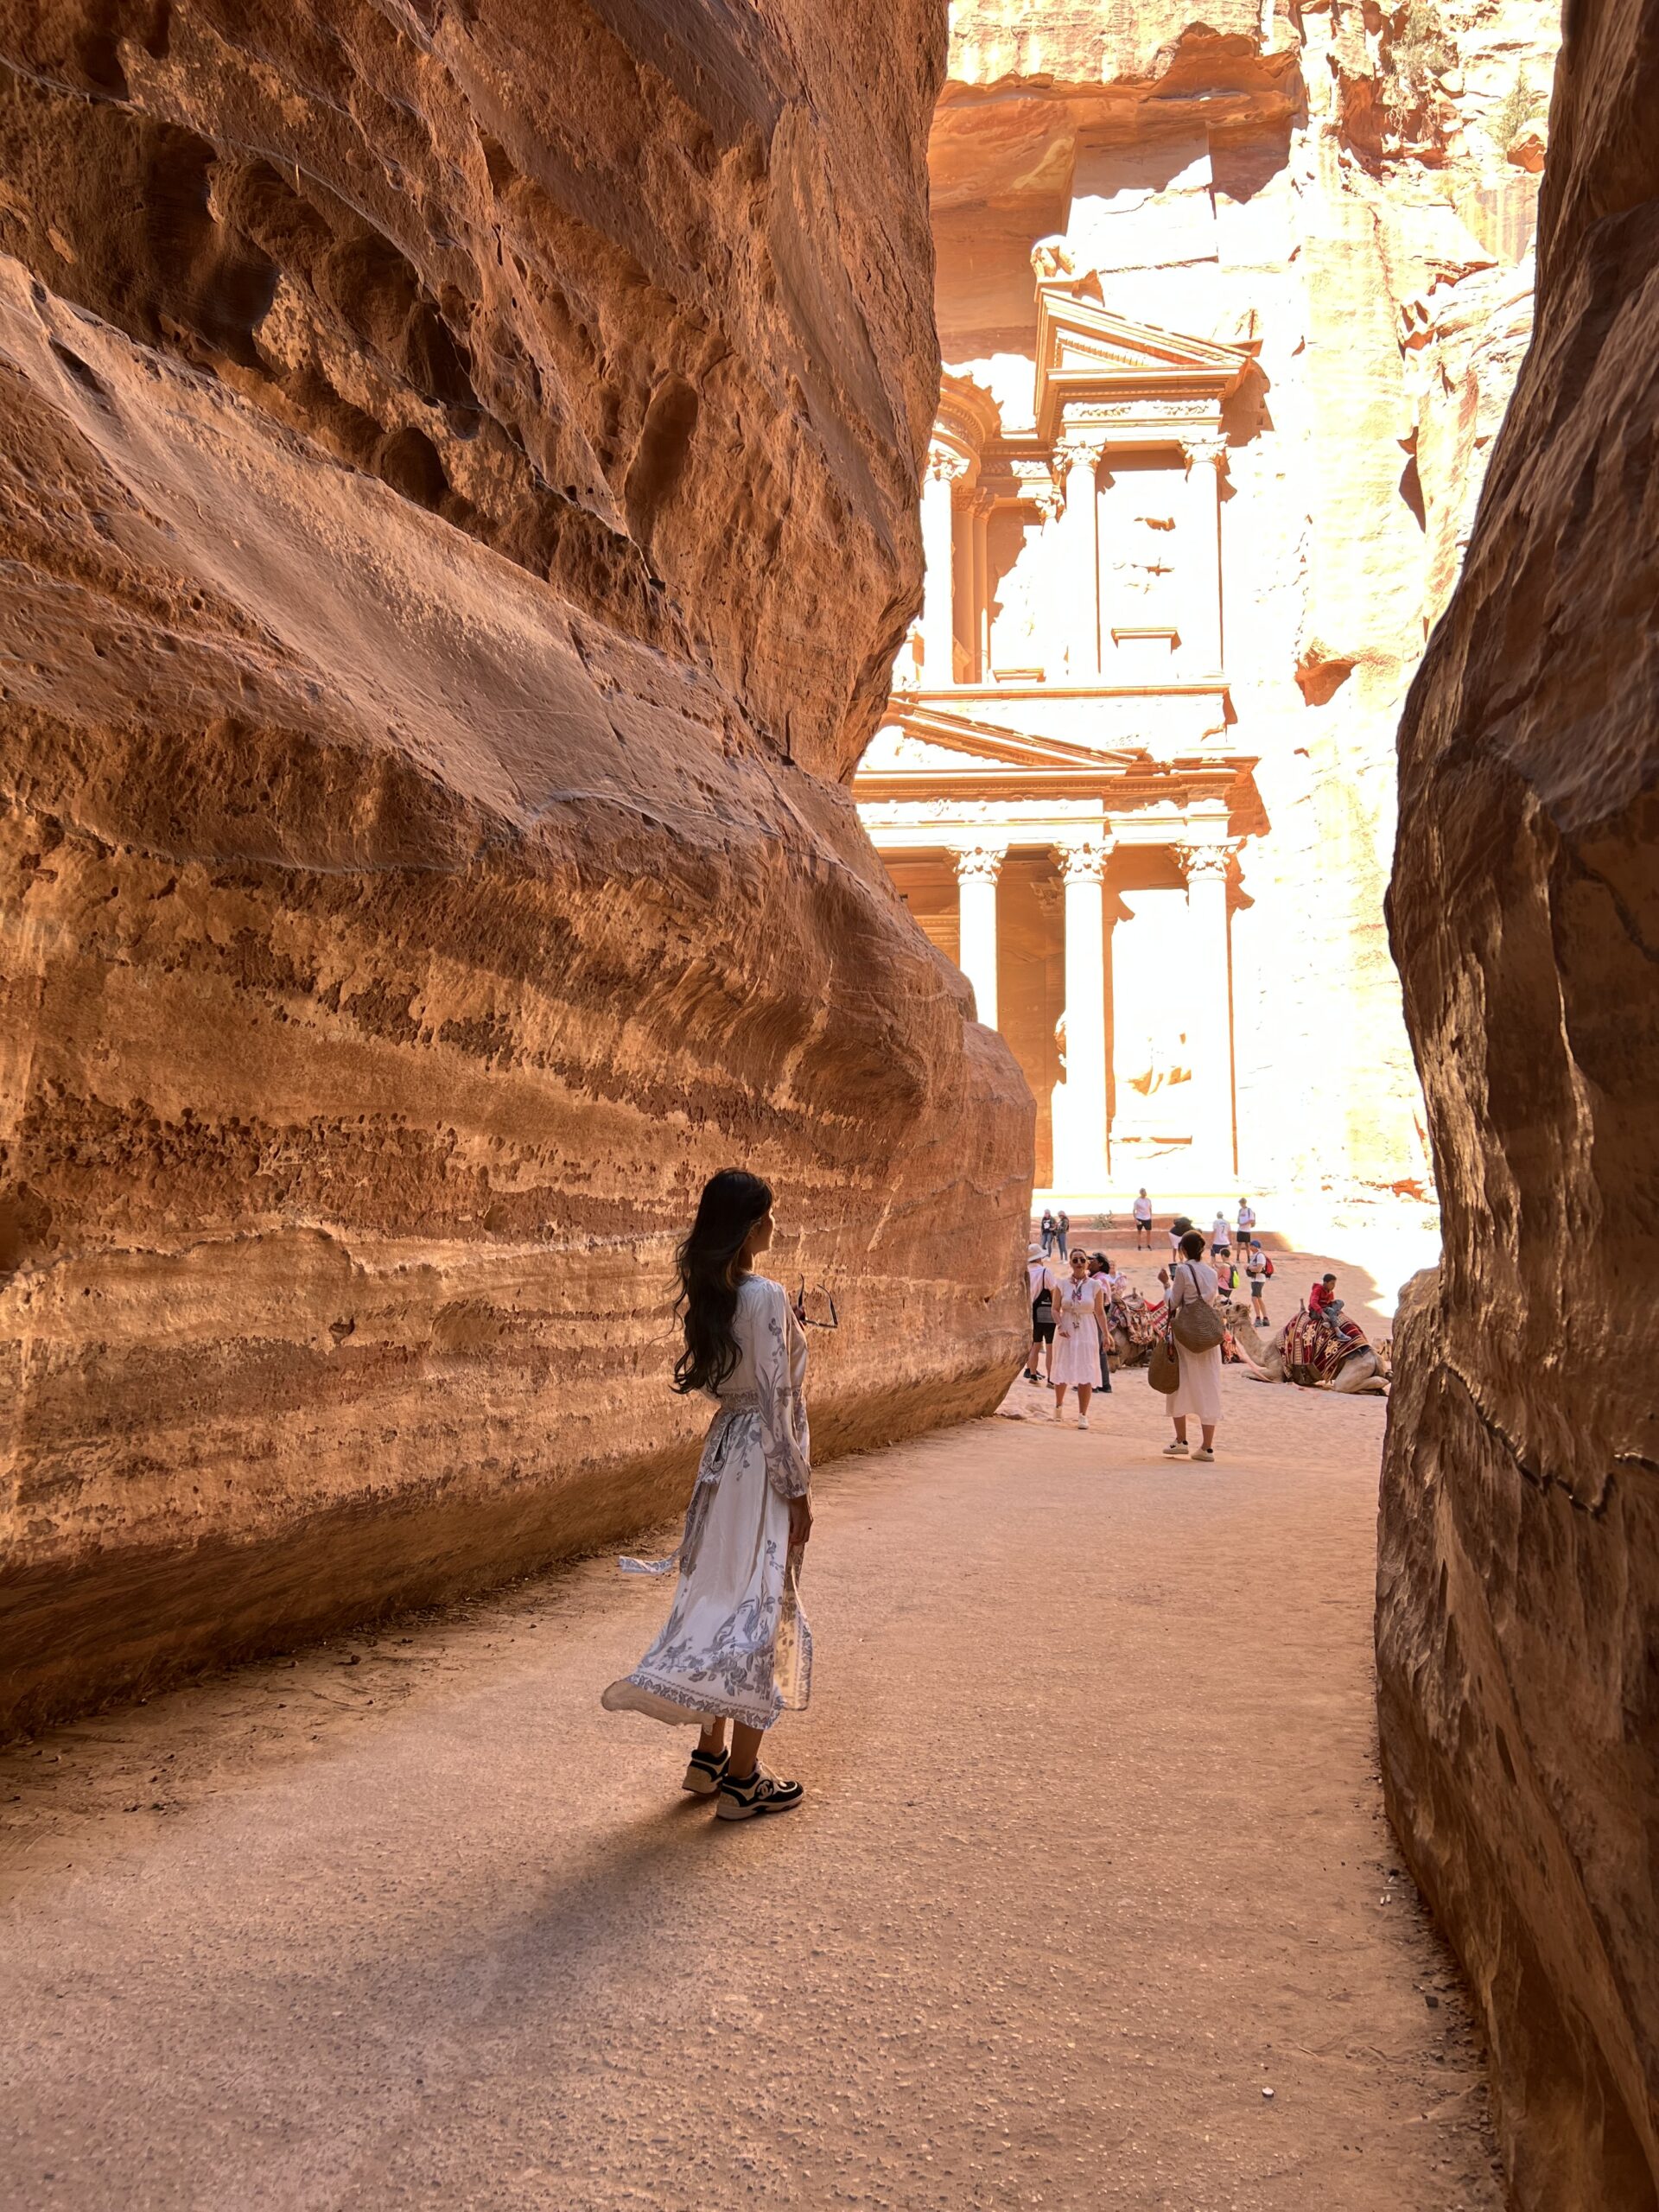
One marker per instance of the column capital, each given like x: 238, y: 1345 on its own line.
x: 1049, y: 501
x: 945, y: 465
x: 1202, y: 446
x: 1080, y: 448
x: 1086, y: 861
x: 978, y: 863
x: 1209, y: 857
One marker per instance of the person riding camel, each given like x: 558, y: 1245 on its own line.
x: 1324, y: 1304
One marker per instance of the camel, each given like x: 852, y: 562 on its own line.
x: 1364, y: 1372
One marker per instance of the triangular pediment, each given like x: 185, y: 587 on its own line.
x: 1087, y: 350
x: 927, y: 744
x: 1082, y: 334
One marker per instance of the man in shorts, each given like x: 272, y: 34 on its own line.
x: 1043, y: 1284
x: 1143, y: 1212
x: 1257, y: 1267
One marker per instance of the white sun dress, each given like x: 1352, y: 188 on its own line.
x: 1198, y: 1395
x: 736, y: 1645
x: 1076, y: 1335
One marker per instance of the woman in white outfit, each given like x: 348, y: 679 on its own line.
x: 1198, y: 1395
x: 735, y: 1647
x: 1079, y: 1331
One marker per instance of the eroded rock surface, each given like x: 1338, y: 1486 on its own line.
x: 458, y: 502
x: 1519, y: 1575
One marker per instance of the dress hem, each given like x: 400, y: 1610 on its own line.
x: 677, y: 1708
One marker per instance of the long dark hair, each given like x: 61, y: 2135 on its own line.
x: 731, y: 1203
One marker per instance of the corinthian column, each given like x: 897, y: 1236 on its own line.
x: 1050, y: 623
x: 1078, y: 454
x: 945, y: 470
x: 1206, y: 986
x: 1205, y: 454
x: 977, y: 868
x: 1080, y: 1102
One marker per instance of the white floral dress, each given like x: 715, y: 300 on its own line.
x: 736, y: 1645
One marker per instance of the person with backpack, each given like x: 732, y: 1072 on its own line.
x: 1257, y: 1269
x: 1042, y: 1285
x: 1197, y: 1328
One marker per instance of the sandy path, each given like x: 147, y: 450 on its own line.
x: 1093, y: 1854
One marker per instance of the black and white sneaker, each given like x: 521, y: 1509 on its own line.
x: 761, y: 1793
x: 702, y: 1776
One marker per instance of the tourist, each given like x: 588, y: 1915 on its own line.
x: 1043, y: 1284
x: 1080, y: 1325
x: 1062, y: 1230
x: 1246, y: 1221
x: 1177, y: 1229
x: 735, y: 1647
x: 1142, y: 1210
x: 1047, y: 1232
x: 1101, y: 1274
x: 1198, y: 1395
x: 1257, y: 1269
x: 1221, y: 1237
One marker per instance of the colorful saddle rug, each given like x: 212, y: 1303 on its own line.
x: 1314, y: 1351
x: 1130, y: 1316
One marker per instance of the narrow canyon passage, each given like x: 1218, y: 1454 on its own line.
x: 1094, y: 1856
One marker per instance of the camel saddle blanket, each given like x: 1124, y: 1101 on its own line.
x: 1130, y: 1315
x: 1314, y: 1352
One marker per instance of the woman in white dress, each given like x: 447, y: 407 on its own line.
x: 1079, y: 1331
x: 1198, y: 1395
x: 735, y: 1648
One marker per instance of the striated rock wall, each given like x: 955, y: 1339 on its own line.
x: 1350, y: 191
x: 458, y: 473
x: 1518, y: 1587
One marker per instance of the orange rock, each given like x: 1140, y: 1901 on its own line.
x: 1518, y: 1580
x: 458, y: 480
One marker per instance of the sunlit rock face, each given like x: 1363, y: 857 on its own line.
x: 1519, y: 1576
x: 1334, y: 191
x: 459, y: 509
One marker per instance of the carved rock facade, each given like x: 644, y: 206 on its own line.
x: 1229, y: 307
x: 1518, y: 1620
x: 458, y: 485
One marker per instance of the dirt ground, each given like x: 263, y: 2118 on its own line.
x: 1093, y: 1858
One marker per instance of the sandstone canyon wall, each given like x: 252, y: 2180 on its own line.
x: 458, y: 476
x: 1349, y: 192
x: 1518, y: 1620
